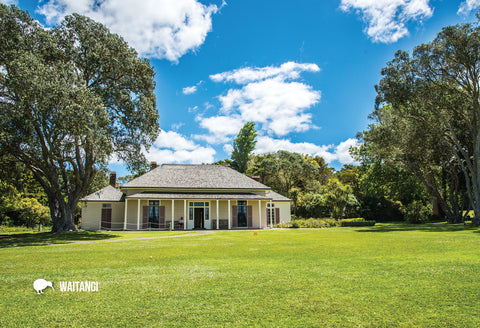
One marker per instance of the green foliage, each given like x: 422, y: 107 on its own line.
x: 308, y: 223
x: 428, y: 118
x: 313, y: 205
x: 340, y: 199
x: 355, y: 222
x: 72, y: 96
x: 243, y: 146
x: 417, y: 212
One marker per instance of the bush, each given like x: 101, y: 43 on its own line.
x: 308, y: 223
x: 357, y: 222
x: 416, y: 212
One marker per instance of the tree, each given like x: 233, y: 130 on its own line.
x: 243, y: 146
x: 428, y: 117
x: 70, y: 97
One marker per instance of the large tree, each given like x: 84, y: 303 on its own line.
x: 243, y: 146
x: 70, y: 98
x: 428, y: 117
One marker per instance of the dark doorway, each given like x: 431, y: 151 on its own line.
x: 198, y: 218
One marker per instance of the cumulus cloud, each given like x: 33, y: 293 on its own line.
x: 189, y: 90
x: 9, y: 2
x: 386, y: 19
x: 172, y: 147
x: 268, y: 96
x: 155, y: 28
x: 288, y: 70
x: 330, y: 153
x: 467, y: 6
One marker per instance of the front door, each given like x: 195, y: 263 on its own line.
x: 198, y: 215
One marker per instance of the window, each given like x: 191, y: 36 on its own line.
x: 270, y: 214
x: 242, y: 213
x: 153, y: 213
x: 106, y: 205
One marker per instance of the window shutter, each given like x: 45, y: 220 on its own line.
x: 161, y: 216
x: 106, y: 218
x: 249, y: 216
x: 277, y: 215
x: 234, y: 216
x: 145, y: 217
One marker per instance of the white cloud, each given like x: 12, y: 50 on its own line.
x: 228, y: 148
x: 220, y: 128
x: 386, y: 19
x: 467, y: 6
x: 279, y: 106
x: 9, y: 2
x: 189, y: 90
x: 330, y: 153
x: 171, y: 139
x: 172, y: 147
x: 268, y: 96
x: 288, y: 70
x: 177, y: 126
x: 155, y: 28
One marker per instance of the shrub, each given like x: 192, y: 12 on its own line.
x: 416, y: 212
x: 356, y: 222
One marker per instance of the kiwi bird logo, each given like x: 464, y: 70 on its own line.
x: 40, y: 284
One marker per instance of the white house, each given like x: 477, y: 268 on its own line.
x: 185, y: 197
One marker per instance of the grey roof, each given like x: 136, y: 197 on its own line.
x: 211, y: 196
x: 107, y: 194
x: 188, y: 176
x: 276, y: 197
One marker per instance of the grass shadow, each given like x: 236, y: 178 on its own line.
x: 428, y: 227
x: 48, y: 238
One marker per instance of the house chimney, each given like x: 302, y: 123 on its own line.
x: 113, y: 179
x: 153, y: 165
x: 256, y: 178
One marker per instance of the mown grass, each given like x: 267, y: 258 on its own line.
x: 382, y: 276
x: 47, y: 238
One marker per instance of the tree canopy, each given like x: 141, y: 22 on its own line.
x: 243, y: 146
x: 428, y: 118
x: 70, y: 98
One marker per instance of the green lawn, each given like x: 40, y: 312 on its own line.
x: 381, y: 276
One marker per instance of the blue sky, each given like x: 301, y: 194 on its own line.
x: 304, y: 71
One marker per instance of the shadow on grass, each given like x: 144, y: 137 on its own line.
x: 428, y: 227
x: 48, y: 238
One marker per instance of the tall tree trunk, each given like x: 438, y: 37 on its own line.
x: 62, y: 215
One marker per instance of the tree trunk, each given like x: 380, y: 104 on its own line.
x: 62, y: 215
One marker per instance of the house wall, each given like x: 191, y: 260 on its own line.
x: 285, y: 211
x: 92, y: 213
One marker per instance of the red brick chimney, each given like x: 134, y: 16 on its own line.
x: 113, y: 179
x: 153, y: 165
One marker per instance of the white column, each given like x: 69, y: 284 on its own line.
x: 260, y: 213
x: 125, y: 216
x: 218, y: 220
x: 138, y: 214
x: 173, y: 213
x: 272, y: 213
x: 185, y: 214
x: 229, y: 216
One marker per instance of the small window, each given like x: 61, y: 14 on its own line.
x: 198, y: 203
x: 242, y: 203
x: 153, y: 203
x: 191, y: 203
x: 207, y: 214
x: 207, y: 204
x: 107, y: 205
